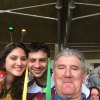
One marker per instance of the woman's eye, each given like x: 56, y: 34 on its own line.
x: 24, y: 59
x: 14, y: 58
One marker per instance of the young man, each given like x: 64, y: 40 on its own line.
x: 69, y: 73
x: 37, y: 63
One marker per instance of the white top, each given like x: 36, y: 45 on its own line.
x: 85, y: 90
x: 34, y: 88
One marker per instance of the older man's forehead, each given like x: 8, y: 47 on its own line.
x: 68, y: 59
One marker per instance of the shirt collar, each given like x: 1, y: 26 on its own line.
x: 34, y: 88
x: 57, y: 97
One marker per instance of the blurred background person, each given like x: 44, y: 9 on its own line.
x: 95, y: 76
x: 94, y: 93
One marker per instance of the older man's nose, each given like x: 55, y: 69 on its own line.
x: 68, y: 72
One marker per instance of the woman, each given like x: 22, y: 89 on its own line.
x: 13, y: 59
x: 94, y: 93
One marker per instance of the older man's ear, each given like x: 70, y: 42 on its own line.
x: 53, y: 75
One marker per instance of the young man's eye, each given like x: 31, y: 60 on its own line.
x: 43, y: 60
x: 32, y: 60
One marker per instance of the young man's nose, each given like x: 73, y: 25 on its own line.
x: 37, y: 64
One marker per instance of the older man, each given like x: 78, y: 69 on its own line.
x: 69, y: 73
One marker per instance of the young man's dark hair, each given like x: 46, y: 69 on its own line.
x: 36, y: 46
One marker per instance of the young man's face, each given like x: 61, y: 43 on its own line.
x: 37, y: 63
x: 68, y: 76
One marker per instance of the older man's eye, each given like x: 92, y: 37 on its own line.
x: 61, y: 67
x: 75, y: 67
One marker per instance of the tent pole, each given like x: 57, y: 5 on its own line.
x: 71, y: 6
x: 59, y: 22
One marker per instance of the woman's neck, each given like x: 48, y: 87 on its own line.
x: 9, y: 80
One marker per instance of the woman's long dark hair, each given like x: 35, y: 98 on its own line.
x: 17, y: 85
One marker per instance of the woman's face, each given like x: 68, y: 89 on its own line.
x: 94, y: 94
x: 15, y: 62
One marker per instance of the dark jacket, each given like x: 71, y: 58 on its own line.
x: 57, y: 97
